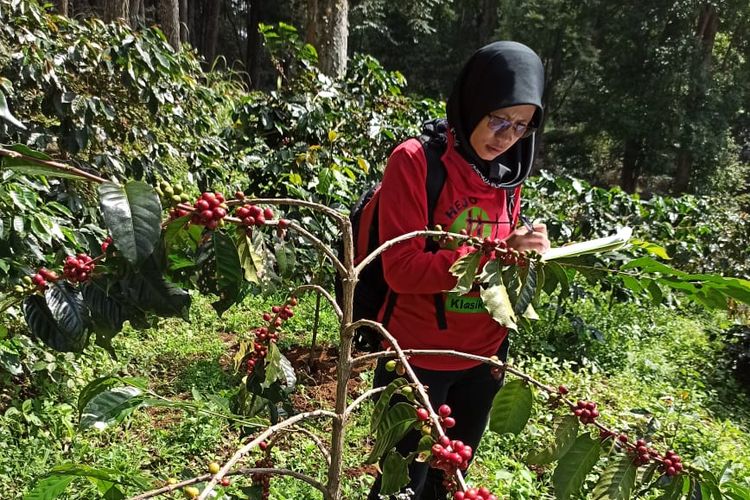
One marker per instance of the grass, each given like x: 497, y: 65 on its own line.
x: 652, y: 371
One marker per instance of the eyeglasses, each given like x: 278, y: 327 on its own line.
x: 499, y: 125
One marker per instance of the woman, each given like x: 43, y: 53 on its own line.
x: 493, y: 111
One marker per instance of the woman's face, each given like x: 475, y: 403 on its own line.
x: 489, y: 144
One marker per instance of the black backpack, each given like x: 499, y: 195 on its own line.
x: 372, y: 290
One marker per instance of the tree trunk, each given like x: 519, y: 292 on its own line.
x: 116, y: 9
x: 61, y: 7
x: 332, y: 28
x: 184, y: 21
x: 195, y: 34
x: 211, y: 16
x: 630, y: 167
x: 486, y: 22
x: 705, y: 37
x: 254, y: 48
x: 168, y: 15
x: 311, y: 28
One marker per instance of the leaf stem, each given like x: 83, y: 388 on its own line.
x: 54, y: 165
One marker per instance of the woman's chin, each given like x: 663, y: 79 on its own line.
x: 490, y: 153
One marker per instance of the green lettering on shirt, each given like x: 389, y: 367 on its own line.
x: 462, y: 304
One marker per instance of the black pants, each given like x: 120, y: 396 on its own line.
x: 469, y: 393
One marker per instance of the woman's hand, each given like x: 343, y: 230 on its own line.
x: 522, y: 239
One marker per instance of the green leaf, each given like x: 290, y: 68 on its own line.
x: 575, y: 465
x: 511, y: 408
x: 384, y: 402
x: 465, y: 269
x: 107, y: 313
x: 101, y: 384
x: 132, y: 214
x: 6, y: 115
x: 112, y: 405
x: 556, y: 275
x: 395, y: 473
x: 651, y: 248
x: 565, y: 435
x: 490, y: 274
x: 49, y: 488
x: 60, y: 321
x: 229, y: 277
x: 498, y: 303
x: 273, y: 366
x: 397, y: 421
x: 251, y: 256
x: 150, y: 291
x: 617, y: 480
x: 286, y: 259
x: 528, y: 290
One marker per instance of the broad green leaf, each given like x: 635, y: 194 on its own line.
x: 286, y: 259
x: 465, y: 269
x: 498, y: 303
x: 60, y: 321
x: 150, y: 291
x: 528, y: 289
x: 273, y: 366
x: 384, y: 402
x: 112, y: 405
x: 395, y: 473
x: 229, y: 278
x: 617, y: 480
x: 632, y: 283
x: 228, y: 271
x: 511, y: 408
x: 565, y: 435
x: 649, y: 265
x: 251, y: 256
x: 397, y: 421
x: 6, y: 115
x: 490, y: 274
x: 101, y: 384
x: 49, y: 488
x: 651, y: 248
x: 574, y: 466
x: 132, y: 214
x: 107, y: 313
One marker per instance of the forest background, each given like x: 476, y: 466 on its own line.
x: 646, y: 125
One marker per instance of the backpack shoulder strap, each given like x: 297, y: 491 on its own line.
x: 435, y: 178
x: 434, y: 182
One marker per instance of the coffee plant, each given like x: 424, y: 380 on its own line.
x: 216, y: 244
x: 86, y: 249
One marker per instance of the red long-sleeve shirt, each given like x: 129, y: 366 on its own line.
x: 465, y: 202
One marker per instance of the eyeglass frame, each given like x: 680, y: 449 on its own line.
x: 506, y: 125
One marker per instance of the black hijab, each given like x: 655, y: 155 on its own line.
x: 498, y: 75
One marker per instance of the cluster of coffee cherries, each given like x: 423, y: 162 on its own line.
x: 474, y: 493
x: 209, y: 210
x: 264, y: 480
x: 252, y: 215
x: 42, y: 277
x: 106, y: 243
x: 672, y: 464
x: 79, y: 268
x: 586, y: 411
x: 267, y: 334
x: 397, y: 366
x: 450, y: 455
x: 171, y: 193
x: 642, y: 453
x: 178, y: 212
